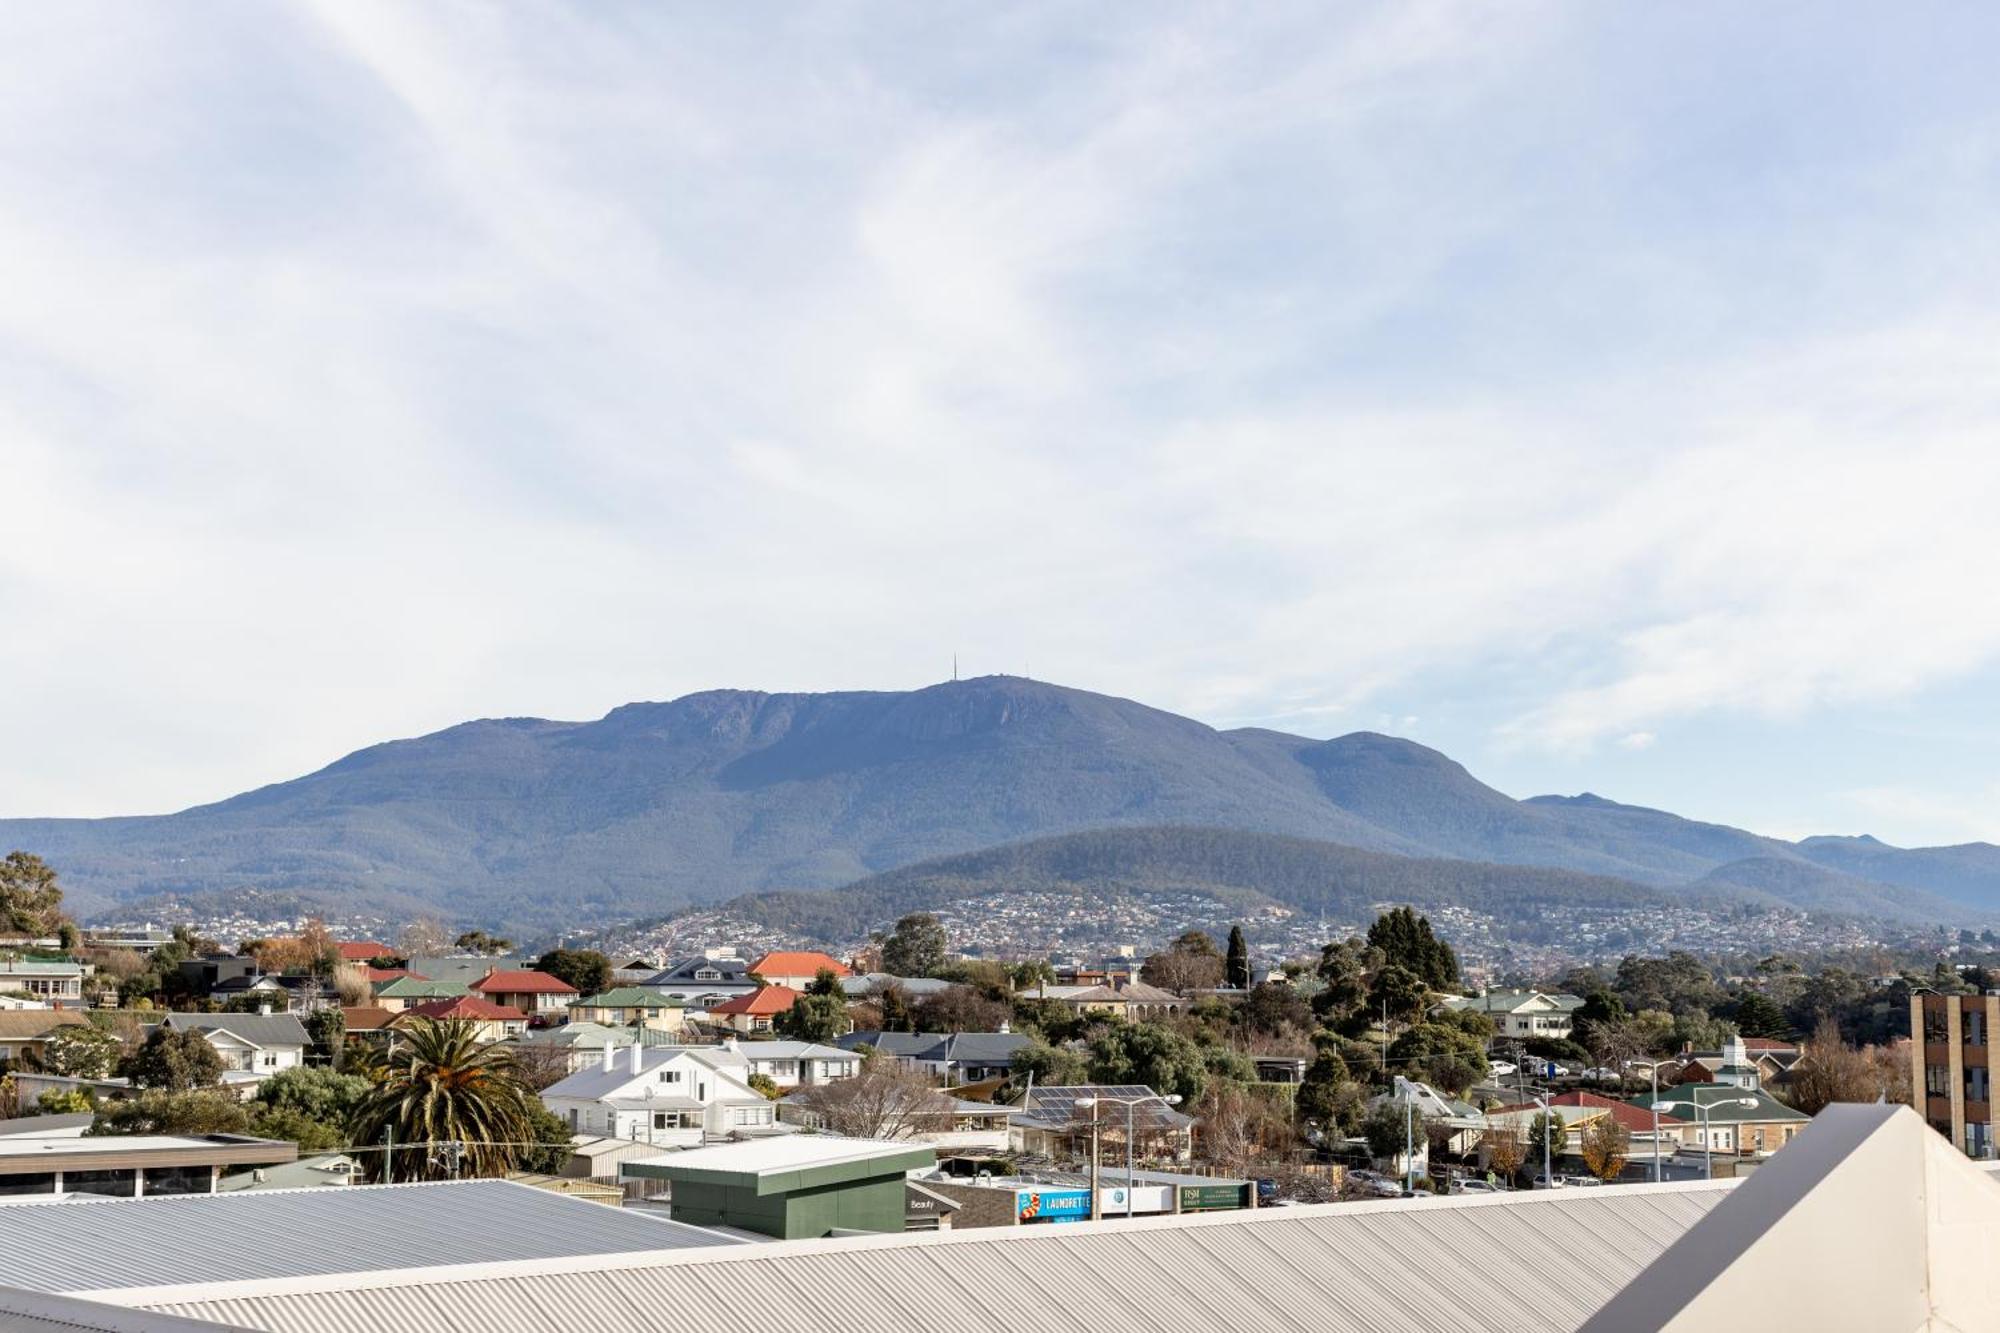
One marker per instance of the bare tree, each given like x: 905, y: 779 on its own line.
x: 426, y: 937
x: 350, y: 987
x: 539, y: 1065
x: 1239, y: 1127
x: 883, y: 1101
x: 1829, y: 1070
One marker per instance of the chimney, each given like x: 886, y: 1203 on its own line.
x: 729, y: 1043
x: 609, y: 1052
x: 265, y: 1009
x: 635, y: 1055
x: 1005, y: 1027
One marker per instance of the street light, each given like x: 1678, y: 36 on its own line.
x: 1171, y: 1099
x: 1701, y: 1110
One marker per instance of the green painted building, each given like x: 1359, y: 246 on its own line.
x: 793, y: 1187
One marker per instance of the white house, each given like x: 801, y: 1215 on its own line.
x: 671, y: 1096
x: 789, y: 1064
x: 57, y: 983
x: 256, y: 1044
x: 1519, y: 1015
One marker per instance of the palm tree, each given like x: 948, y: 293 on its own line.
x: 439, y: 1085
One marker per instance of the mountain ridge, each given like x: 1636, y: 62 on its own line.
x: 724, y: 792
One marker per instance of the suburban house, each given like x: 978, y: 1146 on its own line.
x: 789, y: 1064
x: 1725, y: 1123
x: 26, y: 1030
x: 583, y: 1045
x: 259, y: 1044
x: 54, y: 983
x: 703, y: 981
x: 951, y: 1125
x: 362, y: 951
x: 670, y: 1096
x: 1519, y: 1015
x: 1638, y: 1122
x: 1124, y: 999
x: 491, y: 1022
x: 368, y: 1022
x: 1748, y: 1062
x: 630, y: 1006
x: 955, y: 1057
x: 1050, y: 1123
x: 755, y: 1012
x: 796, y: 968
x: 406, y: 992
x: 533, y: 993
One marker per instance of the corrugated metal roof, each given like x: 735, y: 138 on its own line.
x: 1439, y: 1266
x: 124, y: 1243
x: 26, y: 1311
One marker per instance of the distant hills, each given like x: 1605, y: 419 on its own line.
x: 525, y: 822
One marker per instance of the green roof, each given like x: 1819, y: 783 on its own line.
x: 414, y: 988
x: 1721, y: 1104
x: 627, y: 997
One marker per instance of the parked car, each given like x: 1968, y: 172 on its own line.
x: 1601, y: 1074
x: 1374, y: 1182
x: 1499, y: 1068
x: 1581, y: 1180
x: 1542, y: 1182
x: 1474, y: 1186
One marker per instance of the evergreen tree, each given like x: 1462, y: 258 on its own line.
x: 818, y: 1015
x: 174, y: 1060
x: 916, y: 948
x: 1236, y: 970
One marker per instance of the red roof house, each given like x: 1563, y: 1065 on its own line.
x: 530, y: 992
x: 797, y: 968
x: 756, y: 1011
x: 360, y: 951
x: 494, y: 1020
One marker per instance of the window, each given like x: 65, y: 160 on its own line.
x: 117, y: 1184
x: 1973, y: 1028
x: 784, y: 1068
x: 1936, y: 1025
x: 35, y: 1182
x: 670, y: 1076
x: 1976, y: 1084
x: 1937, y: 1081
x: 180, y: 1180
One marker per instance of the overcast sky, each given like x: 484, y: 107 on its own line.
x: 1611, y: 399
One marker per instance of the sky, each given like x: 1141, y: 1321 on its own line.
x: 1606, y: 395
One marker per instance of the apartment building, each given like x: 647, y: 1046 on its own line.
x: 1950, y: 1065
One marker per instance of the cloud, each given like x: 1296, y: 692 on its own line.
x: 365, y: 368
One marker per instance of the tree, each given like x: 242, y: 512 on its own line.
x: 309, y: 1134
x: 440, y: 1084
x: 1829, y: 1070
x: 1397, y: 993
x: 765, y: 1086
x: 1405, y: 940
x: 540, y: 1065
x: 1757, y: 1015
x: 1320, y: 1098
x: 883, y: 1101
x: 897, y: 1014
x: 164, y: 1111
x: 350, y: 985
x: 317, y: 1094
x: 1390, y: 1127
x: 1606, y: 1144
x: 1149, y: 1054
x: 586, y: 969
x: 1032, y: 973
x: 174, y: 1060
x: 1343, y: 978
x: 550, y: 1141
x: 426, y: 937
x: 1049, y: 1066
x: 30, y: 898
x: 958, y: 1009
x: 1545, y: 1134
x: 69, y: 1101
x: 1239, y: 1128
x: 916, y: 948
x: 1236, y: 963
x: 1190, y: 963
x: 80, y: 1050
x: 818, y: 1015
x: 1275, y: 1009
x: 328, y: 1030
x: 1505, y: 1148
x: 479, y: 942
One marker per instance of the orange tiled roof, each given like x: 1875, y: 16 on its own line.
x: 799, y: 963
x: 467, y: 1006
x: 522, y: 983
x: 360, y: 951
x: 768, y: 1000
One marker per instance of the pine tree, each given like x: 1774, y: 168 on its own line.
x: 1236, y: 968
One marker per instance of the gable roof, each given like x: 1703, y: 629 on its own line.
x: 360, y: 951
x: 730, y: 969
x: 1513, y: 1001
x: 628, y: 997
x: 799, y: 963
x: 596, y: 1083
x: 769, y: 1000
x: 260, y: 1030
x: 476, y: 1008
x: 525, y: 982
x: 28, y: 1024
x: 365, y: 1017
x: 414, y: 987
x: 1634, y: 1118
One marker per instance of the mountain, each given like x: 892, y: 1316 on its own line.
x: 1242, y: 870
x: 525, y: 822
